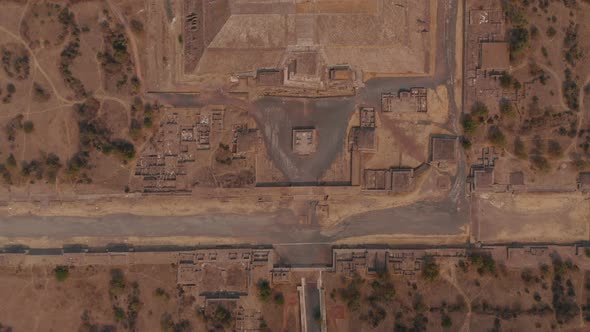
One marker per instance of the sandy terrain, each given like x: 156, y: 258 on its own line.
x: 531, y: 217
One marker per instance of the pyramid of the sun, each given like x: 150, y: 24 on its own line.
x: 378, y: 36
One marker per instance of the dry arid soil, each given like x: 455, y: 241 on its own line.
x: 442, y: 146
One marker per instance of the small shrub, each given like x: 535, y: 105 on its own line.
x: 430, y: 270
x: 61, y: 272
x: 484, y: 262
x: 166, y: 323
x: 534, y: 31
x: 520, y: 148
x: 506, y: 80
x: 506, y: 108
x: 526, y: 275
x: 135, y: 85
x: 351, y: 295
x: 40, y: 94
x: 463, y: 266
x: 11, y: 161
x: 479, y: 109
x: 148, y: 122
x: 375, y: 316
x: 136, y: 26
x: 496, y: 136
x: 117, y: 283
x: 6, y: 175
x: 446, y: 321
x: 221, y: 316
x: 118, y: 313
x: 571, y: 91
x: 514, y: 13
x: 382, y: 290
x: 53, y: 166
x: 554, y: 149
x: 469, y: 125
x: 279, y: 299
x: 466, y: 143
x: 161, y: 293
x: 28, y: 127
x: 264, y: 290
x: 124, y: 148
x: 519, y: 41
x: 540, y: 163
x: 135, y: 129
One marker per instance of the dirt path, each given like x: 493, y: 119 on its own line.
x: 124, y: 103
x: 45, y: 279
x: 39, y: 112
x: 559, y: 86
x: 22, y: 14
x: 37, y: 65
x: 449, y: 273
x: 28, y: 110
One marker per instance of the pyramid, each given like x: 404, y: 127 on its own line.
x: 230, y: 36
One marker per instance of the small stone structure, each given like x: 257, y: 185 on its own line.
x: 443, y: 148
x: 304, y: 141
x: 414, y: 100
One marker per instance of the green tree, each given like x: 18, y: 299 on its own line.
x: 540, y: 163
x: 124, y: 148
x: 506, y: 80
x: 520, y: 148
x: 479, y: 109
x: 554, y: 149
x: 136, y: 26
x: 10, y: 88
x: 484, y: 262
x: 496, y: 136
x: 28, y: 127
x: 430, y: 270
x: 61, y: 273
x: 221, y: 316
x: 351, y: 295
x: 264, y: 290
x: 506, y: 108
x: 446, y: 321
x: 469, y: 125
x: 159, y: 292
x: 519, y: 41
x: 279, y: 298
x: 118, y: 313
x: 11, y: 161
x: 117, y: 283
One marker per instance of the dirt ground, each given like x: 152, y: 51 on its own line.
x: 83, y: 298
x: 94, y: 182
x: 530, y: 217
x: 472, y: 299
x: 483, y: 290
x: 545, y: 136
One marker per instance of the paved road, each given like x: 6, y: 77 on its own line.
x: 433, y: 218
x: 446, y: 217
